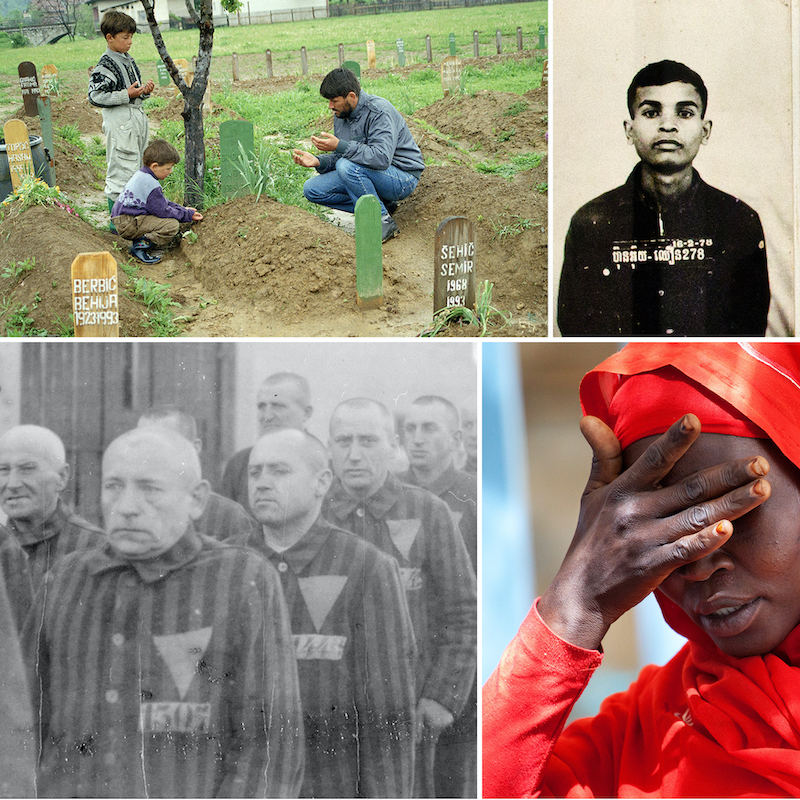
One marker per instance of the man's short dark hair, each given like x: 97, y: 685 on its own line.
x: 663, y: 72
x: 339, y: 82
x: 115, y: 22
x: 160, y: 152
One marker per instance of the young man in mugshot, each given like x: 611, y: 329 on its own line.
x: 665, y: 254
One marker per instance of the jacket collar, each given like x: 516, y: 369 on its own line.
x: 150, y: 570
x: 52, y: 526
x: 341, y: 504
x: 301, y: 553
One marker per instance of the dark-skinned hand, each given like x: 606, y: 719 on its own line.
x: 633, y: 532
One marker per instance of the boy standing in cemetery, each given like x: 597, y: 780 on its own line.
x: 116, y: 87
x: 371, y: 151
x: 142, y: 213
x: 665, y: 254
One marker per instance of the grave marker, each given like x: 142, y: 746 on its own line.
x: 451, y: 75
x: 428, y: 50
x: 235, y: 64
x: 341, y: 54
x: 519, y: 38
x: 270, y: 73
x: 18, y: 151
x: 183, y: 70
x: 369, y: 252
x: 544, y: 75
x: 401, y: 53
x: 46, y: 120
x: 164, y: 78
x: 95, y: 296
x: 29, y: 84
x: 354, y: 67
x: 451, y: 39
x: 232, y: 134
x: 499, y: 40
x: 476, y: 47
x: 49, y: 84
x: 370, y: 54
x: 454, y: 264
x: 542, y: 32
x: 304, y: 60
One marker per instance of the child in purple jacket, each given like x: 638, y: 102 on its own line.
x: 142, y: 213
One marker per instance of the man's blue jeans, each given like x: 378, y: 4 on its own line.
x: 342, y: 188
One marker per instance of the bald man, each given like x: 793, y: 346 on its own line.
x: 283, y: 401
x: 415, y: 527
x: 431, y: 438
x: 222, y: 518
x: 33, y: 474
x: 352, y: 632
x: 164, y: 659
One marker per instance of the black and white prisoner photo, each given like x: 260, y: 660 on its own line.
x: 674, y: 204
x: 238, y: 569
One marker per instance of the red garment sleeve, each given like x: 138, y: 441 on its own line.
x: 526, y: 702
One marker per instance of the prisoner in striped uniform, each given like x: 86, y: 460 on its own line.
x: 33, y: 474
x: 283, y: 401
x: 164, y: 659
x: 415, y: 527
x: 431, y: 438
x: 352, y: 632
x: 222, y: 518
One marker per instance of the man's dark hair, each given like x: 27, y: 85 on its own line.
x: 663, y: 72
x: 115, y: 22
x: 339, y: 82
x: 160, y: 152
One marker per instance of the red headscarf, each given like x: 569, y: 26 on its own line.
x: 742, y: 389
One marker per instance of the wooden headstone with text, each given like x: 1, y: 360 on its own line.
x: 164, y: 78
x: 235, y: 135
x: 451, y: 42
x: 49, y: 85
x: 545, y: 77
x: 29, y: 84
x: 182, y: 66
x: 18, y: 151
x: 369, y: 252
x: 46, y: 121
x: 542, y: 35
x: 370, y: 54
x: 401, y: 53
x: 454, y: 264
x: 95, y: 295
x: 451, y: 75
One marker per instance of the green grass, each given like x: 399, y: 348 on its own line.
x: 285, y: 39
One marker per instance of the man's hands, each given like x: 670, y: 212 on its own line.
x: 431, y: 719
x: 137, y: 91
x: 325, y: 141
x: 305, y: 159
x: 633, y: 532
x: 196, y: 215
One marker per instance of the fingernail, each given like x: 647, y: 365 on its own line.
x: 685, y: 426
x: 757, y: 467
x: 720, y: 527
x: 758, y: 488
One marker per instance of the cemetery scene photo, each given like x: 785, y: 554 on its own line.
x: 470, y: 258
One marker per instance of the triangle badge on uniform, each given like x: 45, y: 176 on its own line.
x: 403, y: 533
x: 320, y: 593
x: 181, y: 653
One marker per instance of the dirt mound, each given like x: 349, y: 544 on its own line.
x: 47, y: 239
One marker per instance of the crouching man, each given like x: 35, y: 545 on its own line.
x: 163, y: 659
x: 371, y: 151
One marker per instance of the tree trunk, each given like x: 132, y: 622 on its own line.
x: 195, y: 152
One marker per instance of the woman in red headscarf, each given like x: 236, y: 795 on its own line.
x: 690, y: 441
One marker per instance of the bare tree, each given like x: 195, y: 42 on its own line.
x: 195, y: 155
x: 60, y: 12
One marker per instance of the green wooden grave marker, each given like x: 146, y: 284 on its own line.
x: 354, y: 67
x: 235, y: 135
x: 29, y: 84
x: 542, y: 32
x: 454, y: 264
x: 164, y: 78
x: 451, y: 39
x: 370, y: 54
x: 401, y: 53
x: 369, y: 252
x: 46, y: 119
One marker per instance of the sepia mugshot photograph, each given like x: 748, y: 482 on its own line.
x: 675, y: 168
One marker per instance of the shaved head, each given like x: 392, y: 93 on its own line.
x: 157, y: 446
x: 35, y: 439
